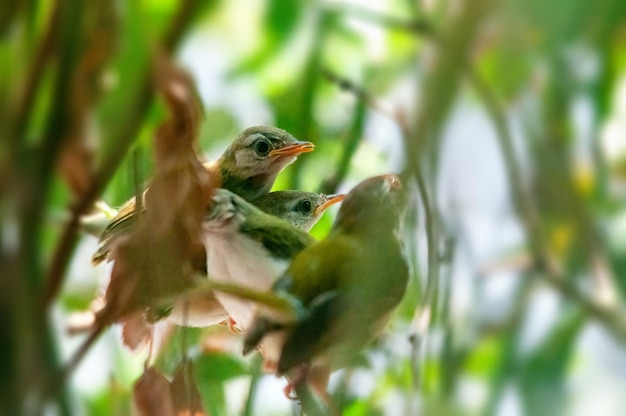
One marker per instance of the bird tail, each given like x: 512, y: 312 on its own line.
x: 260, y: 328
x: 305, y: 340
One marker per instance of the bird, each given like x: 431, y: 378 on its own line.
x: 302, y: 209
x: 346, y: 285
x: 247, y: 247
x: 248, y: 167
x: 299, y: 208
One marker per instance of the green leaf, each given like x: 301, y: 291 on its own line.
x: 484, y: 357
x: 280, y: 22
x: 543, y: 374
x: 360, y: 408
x: 169, y: 358
x: 219, y: 367
x: 212, y: 370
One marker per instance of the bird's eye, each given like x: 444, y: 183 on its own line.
x: 262, y: 147
x: 305, y: 206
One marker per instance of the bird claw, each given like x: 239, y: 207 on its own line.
x: 223, y: 207
x: 300, y: 375
x: 290, y: 392
x: 224, y: 211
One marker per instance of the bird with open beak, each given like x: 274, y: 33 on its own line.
x: 302, y: 209
x: 248, y: 167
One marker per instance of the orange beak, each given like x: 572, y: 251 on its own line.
x: 329, y: 200
x: 293, y: 149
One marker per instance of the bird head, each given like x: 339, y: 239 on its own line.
x: 302, y: 209
x: 385, y: 198
x: 230, y: 214
x: 256, y: 157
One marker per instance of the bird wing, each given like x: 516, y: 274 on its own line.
x: 349, y: 288
x: 299, y: 282
x: 322, y: 269
x: 125, y: 220
x: 315, y: 278
x: 280, y: 238
x: 304, y: 339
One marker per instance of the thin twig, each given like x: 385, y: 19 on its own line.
x: 416, y: 26
x: 285, y: 304
x: 424, y: 315
x: 432, y: 241
x: 450, y: 355
x: 58, y: 381
x: 364, y: 98
x: 254, y: 386
x: 353, y: 140
x: 311, y: 403
x: 359, y: 91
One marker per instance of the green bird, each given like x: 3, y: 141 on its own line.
x: 248, y: 167
x: 299, y: 208
x: 302, y: 209
x: 248, y: 248
x: 347, y: 286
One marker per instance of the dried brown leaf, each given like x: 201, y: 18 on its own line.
x: 122, y: 297
x: 75, y: 163
x: 185, y: 393
x: 136, y: 332
x: 155, y: 262
x: 152, y: 394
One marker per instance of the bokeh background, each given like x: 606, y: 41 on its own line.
x: 510, y: 115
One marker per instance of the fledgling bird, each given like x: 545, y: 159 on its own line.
x: 248, y: 167
x: 299, y: 208
x: 347, y: 285
x: 247, y: 247
x: 302, y: 209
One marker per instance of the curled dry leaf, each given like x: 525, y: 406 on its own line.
x: 185, y: 393
x: 136, y: 331
x: 152, y: 394
x: 155, y: 261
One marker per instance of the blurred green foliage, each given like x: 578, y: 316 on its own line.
x: 79, y: 113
